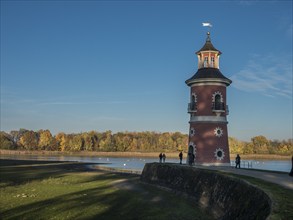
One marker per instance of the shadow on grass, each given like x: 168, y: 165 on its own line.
x: 29, y: 170
x: 105, y: 196
x: 104, y: 203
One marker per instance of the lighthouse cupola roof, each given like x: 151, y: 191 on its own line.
x: 208, y: 56
x: 208, y: 45
x: 208, y: 66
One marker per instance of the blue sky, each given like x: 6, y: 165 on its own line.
x: 77, y: 66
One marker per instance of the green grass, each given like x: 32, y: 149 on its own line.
x: 282, y: 198
x: 53, y: 190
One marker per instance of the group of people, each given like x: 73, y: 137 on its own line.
x: 162, y: 157
x: 191, y: 158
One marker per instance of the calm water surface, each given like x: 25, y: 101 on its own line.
x: 136, y: 163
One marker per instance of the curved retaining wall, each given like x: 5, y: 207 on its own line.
x: 226, y: 197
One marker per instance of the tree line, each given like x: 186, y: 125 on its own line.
x: 261, y: 145
x: 93, y: 141
x: 129, y: 142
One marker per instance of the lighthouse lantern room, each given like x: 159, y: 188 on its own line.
x: 208, y: 109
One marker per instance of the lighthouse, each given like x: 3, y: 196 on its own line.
x: 208, y: 109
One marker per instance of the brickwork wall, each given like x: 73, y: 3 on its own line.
x: 207, y: 143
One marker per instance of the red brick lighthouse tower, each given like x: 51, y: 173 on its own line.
x: 208, y: 109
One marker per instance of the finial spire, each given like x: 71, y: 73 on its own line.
x: 208, y: 37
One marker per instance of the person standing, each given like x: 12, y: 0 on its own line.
x: 160, y: 156
x: 164, y: 158
x: 237, y: 161
x: 180, y: 157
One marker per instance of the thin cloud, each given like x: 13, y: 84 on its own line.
x: 270, y: 76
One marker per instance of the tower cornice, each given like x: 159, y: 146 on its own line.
x: 208, y: 75
x: 208, y: 81
x: 209, y: 119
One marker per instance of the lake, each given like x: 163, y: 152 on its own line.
x: 137, y: 164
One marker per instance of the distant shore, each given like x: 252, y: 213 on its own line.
x: 133, y: 154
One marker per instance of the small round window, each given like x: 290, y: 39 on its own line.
x: 219, y: 154
x: 218, y: 132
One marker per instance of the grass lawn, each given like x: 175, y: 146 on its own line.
x: 282, y: 207
x: 68, y: 190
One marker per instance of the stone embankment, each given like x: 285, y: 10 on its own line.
x: 224, y: 196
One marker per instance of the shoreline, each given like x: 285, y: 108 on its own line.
x: 133, y: 154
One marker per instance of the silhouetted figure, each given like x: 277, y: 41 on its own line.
x: 237, y: 161
x: 160, y: 156
x: 164, y: 158
x: 180, y: 156
x: 291, y: 172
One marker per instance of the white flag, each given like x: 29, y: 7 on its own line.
x: 207, y: 25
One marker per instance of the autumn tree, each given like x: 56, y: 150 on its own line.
x: 16, y: 135
x: 180, y: 140
x: 45, y: 140
x: 236, y: 146
x: 29, y: 140
x: 61, y: 141
x: 260, y: 144
x: 6, y: 141
x: 285, y: 147
x: 89, y: 141
x: 105, y: 143
x: 133, y: 144
x: 75, y: 142
x: 166, y: 142
x: 122, y: 141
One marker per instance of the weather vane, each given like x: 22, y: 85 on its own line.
x: 207, y: 24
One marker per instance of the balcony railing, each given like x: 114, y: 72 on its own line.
x: 192, y: 107
x: 218, y: 106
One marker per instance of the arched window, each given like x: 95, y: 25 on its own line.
x: 206, y: 61
x: 192, y: 105
x: 193, y: 102
x: 190, y: 149
x: 191, y: 153
x: 218, y: 103
x: 193, y: 98
x: 212, y: 61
